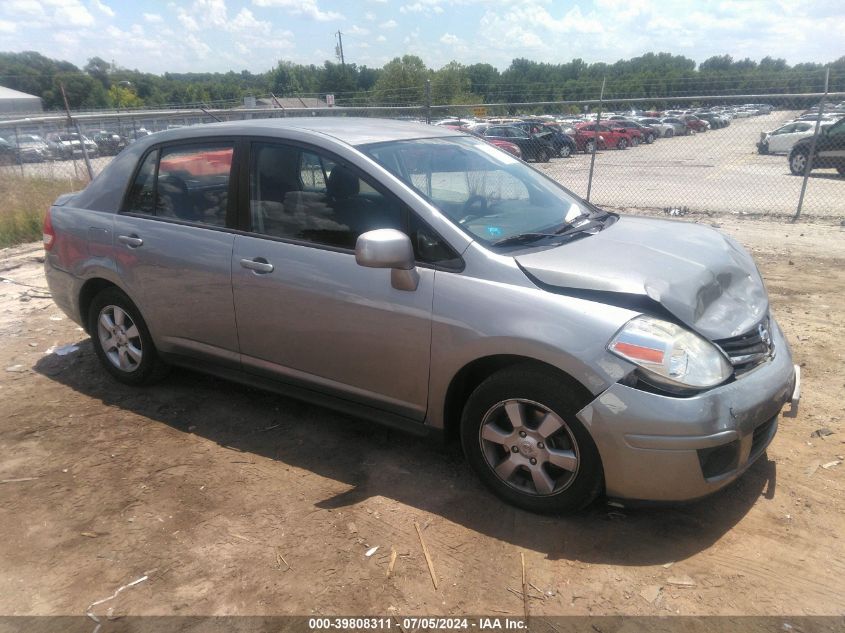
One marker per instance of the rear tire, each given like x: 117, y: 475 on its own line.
x: 670, y: 133
x: 122, y: 341
x: 649, y: 139
x: 589, y: 147
x: 543, y: 155
x: 565, y: 151
x: 635, y: 141
x: 841, y: 170
x: 520, y: 434
x: 621, y: 144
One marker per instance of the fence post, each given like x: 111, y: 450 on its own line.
x: 809, y: 166
x: 595, y: 141
x: 81, y: 138
x: 428, y: 101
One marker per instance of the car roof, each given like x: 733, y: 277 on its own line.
x: 351, y: 130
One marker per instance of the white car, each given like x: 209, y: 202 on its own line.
x: 658, y: 125
x: 781, y: 140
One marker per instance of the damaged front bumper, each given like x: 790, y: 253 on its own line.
x: 661, y: 448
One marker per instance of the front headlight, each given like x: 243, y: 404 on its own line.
x: 670, y: 355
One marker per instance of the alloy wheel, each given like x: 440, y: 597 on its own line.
x: 119, y: 338
x: 529, y: 447
x: 798, y: 163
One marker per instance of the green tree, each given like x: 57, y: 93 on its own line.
x: 402, y: 81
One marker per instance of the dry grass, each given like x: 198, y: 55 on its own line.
x: 23, y: 202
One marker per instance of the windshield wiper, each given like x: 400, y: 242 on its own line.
x: 530, y: 236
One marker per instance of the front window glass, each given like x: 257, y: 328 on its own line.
x: 298, y: 194
x: 486, y: 191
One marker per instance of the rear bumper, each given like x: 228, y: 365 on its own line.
x: 64, y: 288
x: 660, y: 448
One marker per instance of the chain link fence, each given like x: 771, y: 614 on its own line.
x: 701, y: 154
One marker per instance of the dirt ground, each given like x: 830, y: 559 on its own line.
x: 234, y: 501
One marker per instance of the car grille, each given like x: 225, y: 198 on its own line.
x: 748, y: 350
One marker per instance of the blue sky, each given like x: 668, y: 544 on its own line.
x: 221, y: 35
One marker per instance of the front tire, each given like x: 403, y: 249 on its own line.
x: 670, y: 133
x: 520, y: 434
x: 589, y: 147
x: 543, y: 155
x: 621, y: 143
x: 565, y: 151
x: 121, y: 339
x: 798, y: 162
x: 649, y: 139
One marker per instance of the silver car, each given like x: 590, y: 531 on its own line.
x: 423, y: 278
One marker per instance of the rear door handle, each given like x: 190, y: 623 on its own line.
x: 132, y: 241
x: 259, y: 265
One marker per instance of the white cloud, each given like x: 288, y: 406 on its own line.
x: 381, y: 38
x: 307, y: 8
x: 211, y: 12
x: 369, y: 16
x: 421, y: 7
x: 187, y: 20
x: 24, y: 7
x: 7, y: 27
x: 71, y: 13
x: 246, y: 21
x: 390, y: 24
x: 449, y: 39
x: 103, y: 8
x: 357, y: 30
x: 153, y: 18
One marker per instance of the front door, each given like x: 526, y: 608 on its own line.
x: 307, y: 313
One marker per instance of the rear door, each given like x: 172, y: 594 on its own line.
x: 173, y: 248
x: 307, y: 313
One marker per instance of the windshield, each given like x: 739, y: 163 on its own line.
x: 486, y: 191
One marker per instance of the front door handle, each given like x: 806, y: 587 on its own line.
x: 259, y: 265
x: 132, y: 241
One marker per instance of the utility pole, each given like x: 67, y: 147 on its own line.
x: 339, y: 48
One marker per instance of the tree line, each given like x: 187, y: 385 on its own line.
x: 403, y: 81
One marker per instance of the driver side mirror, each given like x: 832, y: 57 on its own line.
x: 389, y: 248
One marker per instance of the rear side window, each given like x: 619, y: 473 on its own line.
x: 189, y: 183
x: 193, y: 183
x: 141, y: 197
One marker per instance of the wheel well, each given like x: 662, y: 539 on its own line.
x: 473, y: 374
x: 91, y: 289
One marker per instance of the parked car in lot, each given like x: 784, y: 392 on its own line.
x: 781, y: 140
x: 109, y: 143
x: 506, y: 145
x: 829, y: 150
x: 532, y: 146
x: 713, y: 120
x: 586, y: 140
x: 662, y: 129
x: 412, y: 275
x: 562, y: 144
x: 695, y: 124
x: 679, y: 126
x: 31, y: 148
x: 618, y: 137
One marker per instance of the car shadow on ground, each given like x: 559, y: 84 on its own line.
x: 376, y: 461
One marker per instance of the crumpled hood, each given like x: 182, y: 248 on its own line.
x: 702, y: 277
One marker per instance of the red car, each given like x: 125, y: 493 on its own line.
x: 585, y: 139
x: 617, y: 137
x: 647, y: 133
x: 634, y: 131
x: 505, y: 145
x: 694, y: 123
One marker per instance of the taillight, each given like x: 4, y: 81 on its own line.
x: 48, y: 234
